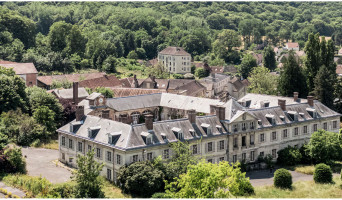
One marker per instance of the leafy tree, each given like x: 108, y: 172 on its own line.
x: 44, y: 116
x: 58, y: 34
x: 110, y: 64
x: 87, y: 177
x: 324, y: 86
x: 132, y: 55
x: 108, y: 93
x: 61, y: 84
x: 3, y: 141
x: 247, y: 65
x: 269, y: 58
x: 289, y: 156
x: 292, y: 78
x: 75, y: 41
x: 216, y: 21
x: 262, y: 82
x: 16, y: 159
x: 208, y: 180
x: 324, y: 146
x: 157, y: 71
x: 200, y: 73
x: 141, y: 179
x: 282, y: 179
x: 223, y: 45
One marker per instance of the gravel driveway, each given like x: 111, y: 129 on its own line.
x: 40, y: 162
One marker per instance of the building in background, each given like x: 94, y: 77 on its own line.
x: 26, y: 71
x: 175, y: 60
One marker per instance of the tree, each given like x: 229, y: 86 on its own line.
x: 324, y: 86
x: 109, y: 65
x: 208, y: 180
x: 87, y: 177
x: 200, y: 73
x: 223, y: 45
x: 108, y: 93
x: 262, y: 82
x: 3, y: 141
x: 269, y: 58
x: 58, y: 35
x: 313, y: 58
x: 141, y: 179
x: 15, y: 158
x: 44, y: 116
x: 282, y: 179
x: 292, y: 78
x: 132, y: 55
x: 325, y: 146
x: 157, y: 71
x: 247, y: 65
x: 289, y: 156
x: 75, y: 41
x: 61, y: 84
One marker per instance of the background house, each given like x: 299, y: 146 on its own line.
x: 26, y: 71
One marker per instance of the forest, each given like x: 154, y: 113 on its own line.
x: 70, y: 36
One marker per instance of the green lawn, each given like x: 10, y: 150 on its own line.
x: 302, y: 189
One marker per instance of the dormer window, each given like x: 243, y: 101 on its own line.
x: 74, y: 126
x: 92, y: 131
x: 147, y: 137
x: 259, y: 122
x: 270, y: 118
x: 219, y: 128
x: 248, y: 103
x: 282, y: 117
x: 206, y: 128
x: 113, y: 137
x: 178, y: 133
x: 293, y: 115
x: 192, y: 132
x: 312, y: 112
x: 163, y: 135
x: 267, y: 104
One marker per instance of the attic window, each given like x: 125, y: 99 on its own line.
x: 248, y: 103
x: 163, y: 135
x: 293, y: 115
x: 282, y: 117
x: 92, y: 131
x: 301, y: 114
x: 206, y: 128
x: 147, y: 137
x: 219, y: 128
x: 113, y: 137
x: 74, y: 126
x: 192, y: 132
x: 178, y: 133
x: 270, y: 118
x: 312, y: 112
x: 267, y: 104
x: 259, y: 122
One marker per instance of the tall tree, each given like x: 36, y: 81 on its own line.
x: 292, y: 78
x: 313, y: 58
x: 247, y: 65
x: 223, y: 45
x: 269, y: 58
x: 324, y: 86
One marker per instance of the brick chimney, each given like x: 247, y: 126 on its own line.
x: 282, y: 104
x: 221, y: 112
x: 310, y: 100
x: 295, y: 96
x: 105, y: 113
x: 75, y: 92
x: 79, y: 112
x: 192, y: 116
x: 149, y: 122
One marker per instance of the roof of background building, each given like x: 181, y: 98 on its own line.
x: 292, y: 45
x: 20, y: 68
x: 68, y: 93
x: 127, y: 82
x: 125, y: 92
x: 134, y: 102
x: 104, y: 81
x: 48, y: 80
x: 192, y: 88
x: 177, y: 51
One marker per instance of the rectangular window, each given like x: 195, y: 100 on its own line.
x: 221, y: 144
x: 194, y: 149
x: 315, y: 127
x: 166, y: 153
x: 243, y: 141
x: 118, y: 159
x: 210, y: 146
x: 296, y: 131
x: 63, y: 141
x: 98, y: 152
x: 70, y: 144
x: 235, y: 127
x: 109, y: 156
x: 334, y: 124
x: 305, y: 129
x: 80, y: 147
x: 234, y: 158
x: 274, y: 135
x: 109, y: 174
x: 135, y: 158
x: 89, y: 147
x: 325, y: 126
x: 235, y: 141
x: 243, y: 126
x: 252, y: 139
x: 149, y: 156
x: 243, y: 156
x: 285, y: 133
x: 262, y: 154
x: 262, y: 137
x: 274, y: 153
x: 252, y: 155
x: 221, y: 158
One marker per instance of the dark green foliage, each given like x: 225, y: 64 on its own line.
x: 324, y: 86
x: 200, y: 73
x: 289, y: 156
x: 292, y: 78
x: 247, y: 65
x: 245, y: 189
x: 178, y: 76
x: 62, y: 190
x: 3, y: 141
x: 282, y: 179
x: 87, y: 177
x: 15, y: 158
x: 161, y: 195
x: 305, y: 152
x: 108, y: 93
x: 269, y: 58
x: 322, y: 174
x: 141, y: 179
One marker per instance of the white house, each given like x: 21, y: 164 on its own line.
x: 175, y: 60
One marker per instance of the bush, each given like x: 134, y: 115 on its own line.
x: 161, y: 195
x: 289, y: 156
x: 62, y: 190
x: 246, y: 189
x: 322, y: 174
x: 282, y: 179
x: 15, y: 158
x: 178, y: 76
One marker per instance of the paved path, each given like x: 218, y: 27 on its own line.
x: 15, y: 191
x: 264, y: 177
x: 40, y: 162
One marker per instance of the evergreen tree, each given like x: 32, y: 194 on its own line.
x: 313, y: 58
x: 324, y: 86
x: 269, y: 58
x: 292, y: 79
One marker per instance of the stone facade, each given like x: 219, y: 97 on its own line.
x: 175, y: 60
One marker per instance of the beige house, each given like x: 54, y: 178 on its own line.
x: 232, y: 133
x: 175, y: 60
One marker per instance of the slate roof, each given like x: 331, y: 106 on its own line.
x: 125, y: 92
x: 134, y: 102
x: 215, y: 77
x: 104, y: 81
x: 68, y: 93
x: 127, y: 82
x: 177, y: 51
x: 21, y: 68
x: 93, y: 96
x: 175, y: 83
x: 48, y: 80
x: 192, y: 88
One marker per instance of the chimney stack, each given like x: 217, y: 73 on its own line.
x: 192, y: 116
x: 75, y: 92
x: 221, y: 112
x: 310, y: 100
x: 295, y: 96
x: 105, y: 113
x: 79, y: 112
x: 282, y: 104
x: 149, y: 122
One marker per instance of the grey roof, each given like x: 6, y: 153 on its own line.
x: 134, y: 102
x: 213, y: 78
x: 68, y: 93
x: 177, y: 51
x: 94, y: 95
x: 232, y: 107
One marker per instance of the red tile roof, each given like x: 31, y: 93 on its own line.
x: 292, y: 45
x: 127, y: 82
x: 105, y: 81
x: 20, y: 68
x: 124, y: 92
x: 48, y: 80
x: 178, y: 51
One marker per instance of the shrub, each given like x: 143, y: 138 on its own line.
x: 178, y: 76
x: 35, y: 185
x: 289, y: 156
x: 161, y: 195
x: 14, y: 156
x: 282, y: 179
x: 322, y: 174
x: 246, y: 189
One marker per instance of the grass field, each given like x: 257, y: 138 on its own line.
x: 309, y: 169
x: 302, y: 189
x: 53, y: 144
